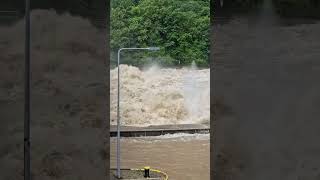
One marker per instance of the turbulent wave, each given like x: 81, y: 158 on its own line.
x: 156, y: 96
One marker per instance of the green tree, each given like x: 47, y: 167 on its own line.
x: 179, y: 27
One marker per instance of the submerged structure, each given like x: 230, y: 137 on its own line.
x: 140, y: 174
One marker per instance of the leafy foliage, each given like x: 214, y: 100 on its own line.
x: 179, y: 27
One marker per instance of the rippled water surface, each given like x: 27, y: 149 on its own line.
x: 182, y: 157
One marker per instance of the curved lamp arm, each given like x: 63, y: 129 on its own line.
x: 118, y: 108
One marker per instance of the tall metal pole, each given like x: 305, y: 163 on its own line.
x: 118, y: 105
x: 27, y: 169
x: 118, y: 119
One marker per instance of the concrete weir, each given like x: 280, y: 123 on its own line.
x: 157, y: 130
x: 139, y: 174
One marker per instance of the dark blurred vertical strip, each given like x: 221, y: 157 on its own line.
x: 217, y: 16
x: 69, y: 82
x: 12, y: 68
x: 266, y: 90
x: 108, y: 56
x: 27, y: 168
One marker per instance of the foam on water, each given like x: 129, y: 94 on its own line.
x: 157, y: 96
x: 167, y: 137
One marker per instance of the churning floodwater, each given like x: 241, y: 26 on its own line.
x: 174, y: 154
x: 157, y: 96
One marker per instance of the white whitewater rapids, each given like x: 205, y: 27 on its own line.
x: 159, y: 96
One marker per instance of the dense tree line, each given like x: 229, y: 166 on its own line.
x: 179, y: 27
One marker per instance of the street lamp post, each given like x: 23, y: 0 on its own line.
x: 118, y: 106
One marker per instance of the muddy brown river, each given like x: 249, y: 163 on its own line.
x: 181, y: 156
